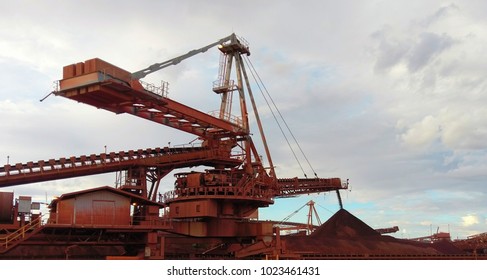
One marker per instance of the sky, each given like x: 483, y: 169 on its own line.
x: 387, y: 94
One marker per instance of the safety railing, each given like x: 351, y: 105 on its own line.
x: 228, y: 117
x: 20, y: 233
x: 111, y: 221
x: 295, y: 186
x: 23, y: 172
x: 150, y: 221
x: 163, y: 90
x: 219, y: 86
x: 224, y: 191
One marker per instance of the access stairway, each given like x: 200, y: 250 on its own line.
x: 13, y: 239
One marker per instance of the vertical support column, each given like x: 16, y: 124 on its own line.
x: 162, y: 247
x: 226, y: 106
x: 155, y: 247
x: 257, y: 117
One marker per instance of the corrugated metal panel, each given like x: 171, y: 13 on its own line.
x: 103, y: 212
x: 95, y: 208
x: 65, y: 211
x: 25, y: 204
x: 83, y: 209
x: 6, y: 205
x: 36, y: 206
x: 102, y: 208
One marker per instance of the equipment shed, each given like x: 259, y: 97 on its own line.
x: 104, y: 206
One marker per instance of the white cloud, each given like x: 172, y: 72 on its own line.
x: 455, y: 126
x: 470, y: 220
x: 423, y: 133
x: 436, y: 88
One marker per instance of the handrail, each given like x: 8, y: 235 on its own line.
x: 44, y: 170
x: 21, y: 232
x: 226, y: 191
x: 227, y: 117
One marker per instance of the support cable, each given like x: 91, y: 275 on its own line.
x: 252, y: 71
x: 292, y: 214
x: 280, y: 115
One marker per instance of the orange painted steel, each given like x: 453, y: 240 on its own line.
x: 108, y: 87
x: 55, y: 169
x: 105, y: 86
x: 218, y: 207
x: 297, y: 186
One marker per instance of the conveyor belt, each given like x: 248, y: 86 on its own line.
x: 296, y: 186
x: 54, y: 169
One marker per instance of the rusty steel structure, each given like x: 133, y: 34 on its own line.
x: 216, y: 209
x: 210, y: 214
x: 474, y: 244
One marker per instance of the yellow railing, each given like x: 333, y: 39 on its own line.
x: 20, y: 233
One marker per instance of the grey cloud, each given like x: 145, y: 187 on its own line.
x: 416, y: 44
x: 429, y: 46
x: 416, y: 51
x: 390, y: 50
x: 441, y: 13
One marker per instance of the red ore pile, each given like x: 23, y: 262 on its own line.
x: 346, y: 235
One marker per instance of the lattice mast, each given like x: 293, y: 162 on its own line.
x: 231, y: 54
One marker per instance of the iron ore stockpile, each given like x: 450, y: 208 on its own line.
x: 344, y: 236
